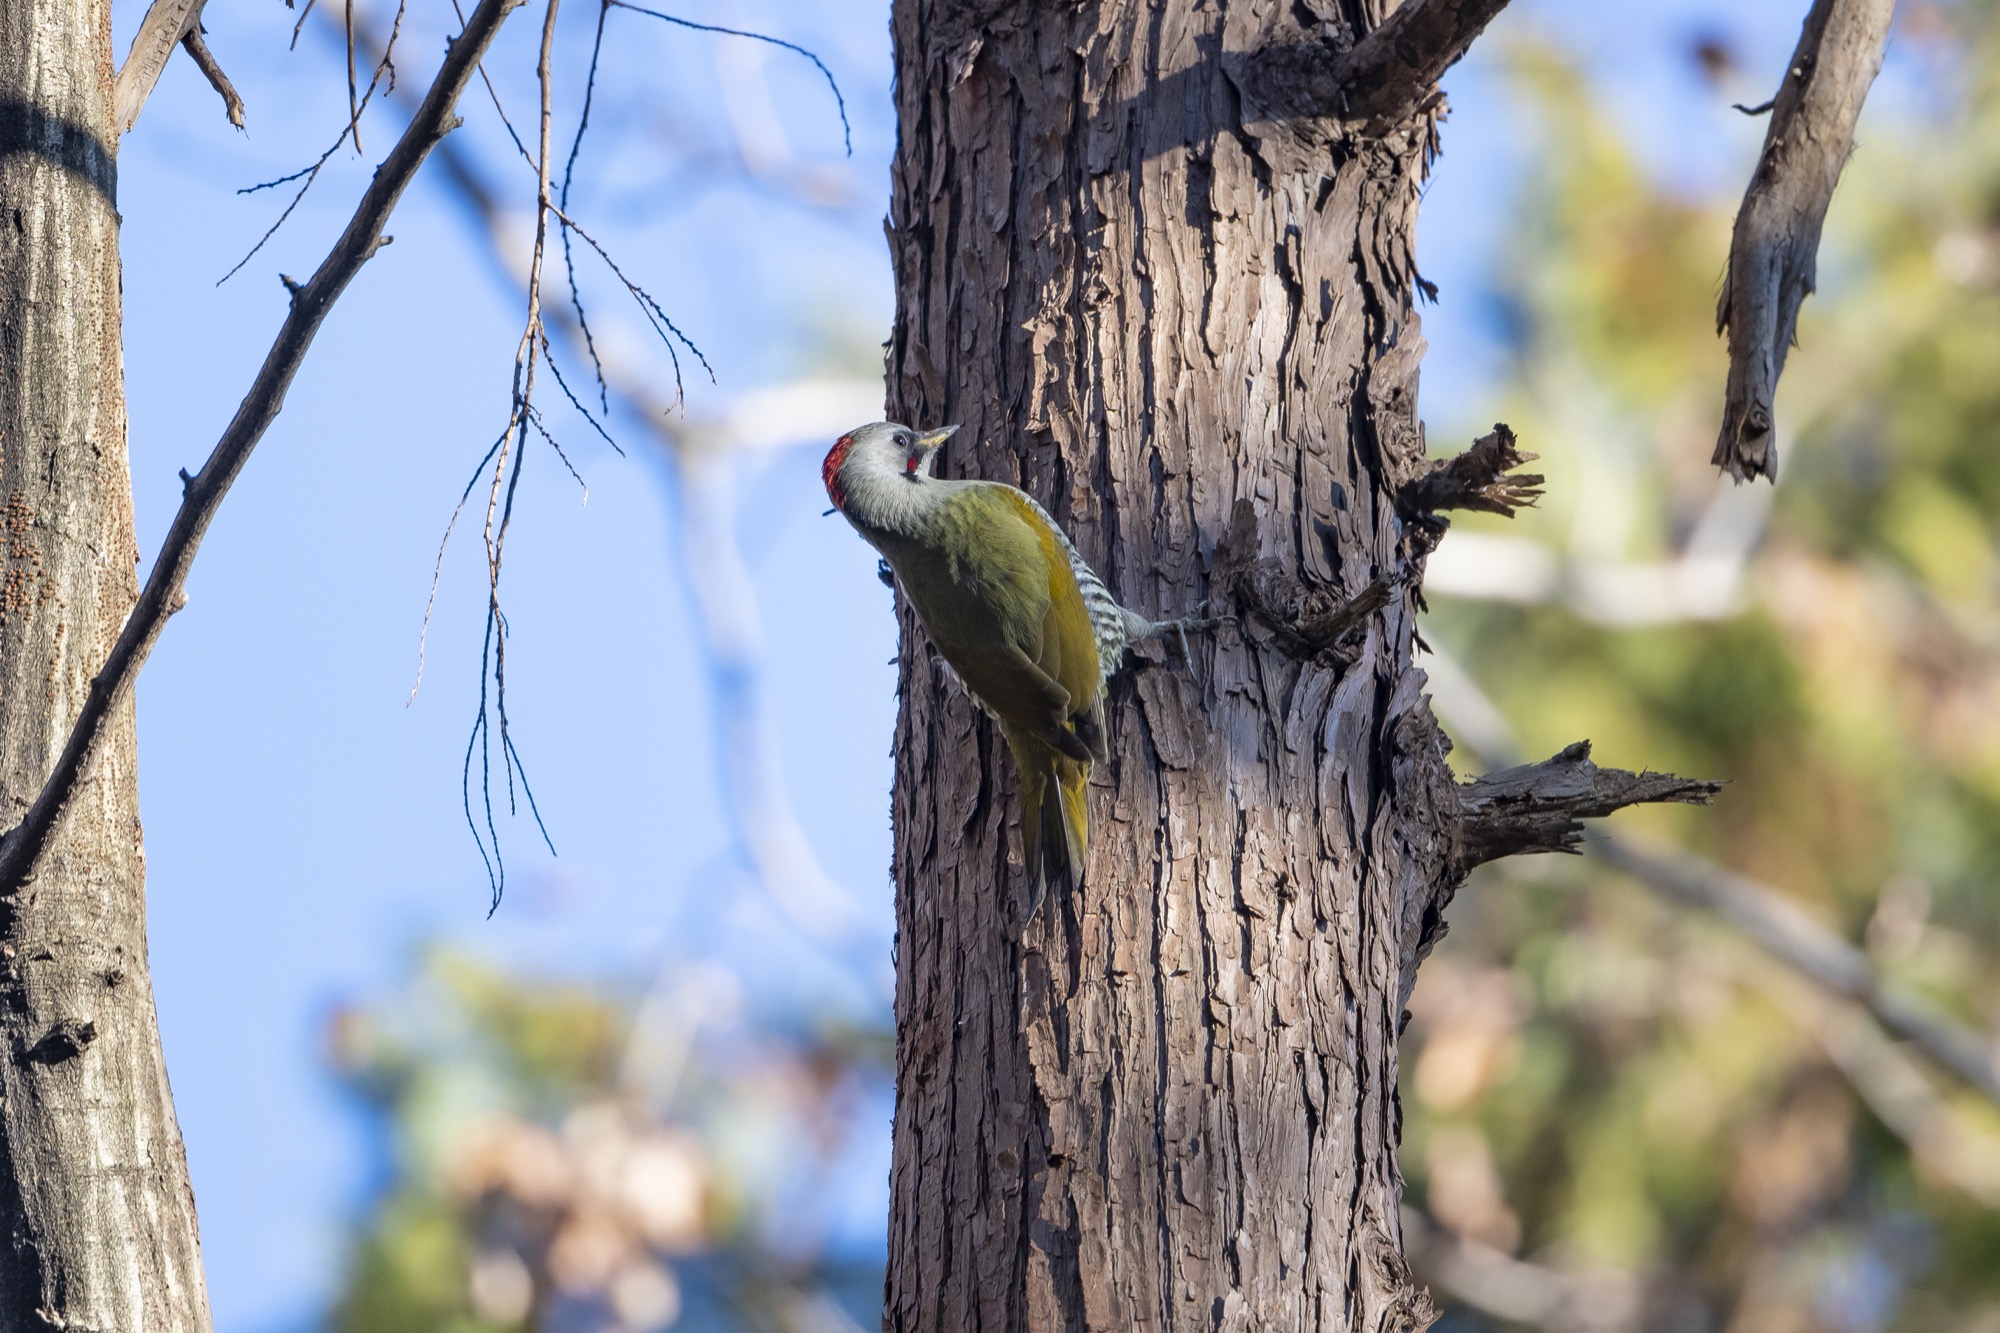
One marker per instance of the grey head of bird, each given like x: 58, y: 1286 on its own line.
x: 865, y: 465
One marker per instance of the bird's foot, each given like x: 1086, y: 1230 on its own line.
x: 1180, y: 627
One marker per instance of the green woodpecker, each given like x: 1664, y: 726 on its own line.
x: 1030, y: 631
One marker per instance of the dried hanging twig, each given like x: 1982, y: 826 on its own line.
x: 1774, y: 252
x: 511, y: 449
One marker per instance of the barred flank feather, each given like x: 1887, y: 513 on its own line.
x: 1113, y: 626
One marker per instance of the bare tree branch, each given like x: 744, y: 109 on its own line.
x: 166, y: 23
x: 211, y: 69
x: 1393, y: 68
x: 1537, y: 807
x: 1817, y: 953
x: 1386, y: 75
x: 203, y: 493
x: 1773, y: 255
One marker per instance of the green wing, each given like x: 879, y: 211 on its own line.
x: 995, y: 590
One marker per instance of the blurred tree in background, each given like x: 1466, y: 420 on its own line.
x: 1667, y: 1128
x: 569, y: 1157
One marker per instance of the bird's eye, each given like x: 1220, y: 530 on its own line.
x: 908, y: 439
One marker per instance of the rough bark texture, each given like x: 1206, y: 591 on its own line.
x: 1173, y: 1105
x: 97, y: 1226
x: 1773, y: 255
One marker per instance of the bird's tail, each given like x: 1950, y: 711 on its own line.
x: 1055, y: 819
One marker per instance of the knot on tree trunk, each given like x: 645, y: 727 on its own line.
x: 1539, y: 807
x: 1481, y: 478
x: 1390, y: 73
x: 65, y: 1040
x: 1306, y: 623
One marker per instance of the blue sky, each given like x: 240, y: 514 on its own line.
x: 304, y: 825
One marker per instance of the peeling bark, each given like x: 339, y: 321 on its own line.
x: 1773, y: 255
x: 97, y: 1225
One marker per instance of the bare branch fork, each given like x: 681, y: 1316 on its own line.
x: 164, y: 592
x: 168, y: 22
x: 1774, y: 251
x: 1386, y: 75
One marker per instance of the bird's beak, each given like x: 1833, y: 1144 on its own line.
x: 929, y: 443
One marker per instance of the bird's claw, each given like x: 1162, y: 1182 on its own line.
x: 1197, y: 622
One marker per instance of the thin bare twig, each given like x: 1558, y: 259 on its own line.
x: 500, y: 512
x: 353, y: 102
x: 840, y: 103
x: 165, y: 585
x: 305, y: 14
x: 1774, y: 253
x: 353, y: 128
x: 569, y: 174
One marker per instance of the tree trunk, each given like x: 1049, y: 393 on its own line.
x: 1173, y: 1105
x: 97, y: 1214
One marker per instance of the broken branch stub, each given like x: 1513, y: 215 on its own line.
x: 1539, y: 807
x: 1387, y: 75
x: 1481, y: 478
x: 1306, y: 623
x: 1773, y: 253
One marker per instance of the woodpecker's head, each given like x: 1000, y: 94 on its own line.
x: 880, y: 450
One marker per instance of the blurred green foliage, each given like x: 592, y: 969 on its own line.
x: 1600, y: 1084
x: 565, y: 1157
